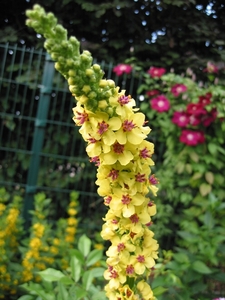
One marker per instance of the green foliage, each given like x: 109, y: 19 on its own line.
x: 82, y: 280
x: 46, y: 245
x: 176, y: 34
x: 190, y: 218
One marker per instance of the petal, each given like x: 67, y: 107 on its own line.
x: 121, y: 137
x: 125, y: 158
x: 115, y: 123
x: 109, y: 137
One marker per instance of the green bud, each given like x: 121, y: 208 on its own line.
x: 92, y: 95
x: 89, y: 72
x: 72, y: 73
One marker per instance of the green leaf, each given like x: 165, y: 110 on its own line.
x: 63, y: 294
x: 75, y: 268
x: 78, y: 255
x: 84, y: 245
x: 37, y: 289
x: 94, y: 256
x: 77, y: 293
x: 98, y: 272
x: 159, y: 290
x: 209, y: 177
x: 51, y: 274
x: 205, y: 189
x: 26, y: 297
x: 194, y: 156
x: 201, y: 267
x: 181, y: 257
x: 212, y: 148
x: 87, y: 279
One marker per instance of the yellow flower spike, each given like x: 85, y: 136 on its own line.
x: 116, y: 135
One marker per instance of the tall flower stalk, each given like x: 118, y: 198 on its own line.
x: 115, y: 132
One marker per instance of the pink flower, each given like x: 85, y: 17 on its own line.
x: 209, y: 118
x: 152, y: 93
x: 205, y: 99
x: 195, y: 109
x: 181, y: 119
x: 192, y: 138
x: 194, y: 120
x: 160, y: 103
x: 211, y: 68
x: 122, y: 68
x: 156, y: 72
x: 219, y: 299
x: 177, y: 89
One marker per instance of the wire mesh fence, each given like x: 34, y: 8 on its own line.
x: 41, y: 149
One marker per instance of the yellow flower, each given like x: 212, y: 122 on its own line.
x: 145, y: 290
x: 124, y: 202
x: 118, y: 152
x: 39, y: 229
x: 72, y: 211
x: 35, y: 242
x: 72, y: 221
x: 54, y: 250
x: 141, y: 260
x: 98, y: 246
x: 132, y: 129
x: 56, y: 241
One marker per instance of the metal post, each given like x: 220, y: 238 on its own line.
x: 38, y: 137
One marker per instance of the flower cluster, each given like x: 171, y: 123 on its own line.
x: 117, y: 145
x: 10, y: 234
x: 116, y: 134
x: 187, y: 105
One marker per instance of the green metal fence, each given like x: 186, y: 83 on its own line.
x: 41, y: 149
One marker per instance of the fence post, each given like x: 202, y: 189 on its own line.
x: 38, y: 137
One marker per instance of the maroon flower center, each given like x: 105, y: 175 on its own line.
x: 130, y: 269
x: 118, y: 148
x: 113, y: 174
x: 82, y: 117
x: 134, y: 218
x: 140, y: 177
x: 102, y: 127
x: 126, y: 199
x: 124, y: 100
x: 128, y: 125
x: 141, y: 258
x: 145, y: 153
x: 120, y: 247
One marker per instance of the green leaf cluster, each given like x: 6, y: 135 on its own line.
x: 82, y: 280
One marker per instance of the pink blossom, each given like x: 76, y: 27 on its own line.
x: 210, y: 117
x: 160, y: 103
x: 195, y: 109
x: 219, y: 299
x: 152, y: 93
x: 205, y: 99
x: 122, y: 68
x: 194, y: 120
x: 156, y: 72
x: 181, y: 119
x: 177, y: 89
x: 211, y: 68
x: 192, y: 138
